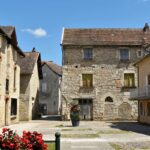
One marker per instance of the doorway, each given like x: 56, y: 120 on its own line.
x: 86, y: 109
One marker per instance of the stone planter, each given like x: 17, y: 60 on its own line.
x: 75, y: 123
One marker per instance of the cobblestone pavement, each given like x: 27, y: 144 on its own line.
x: 91, y: 135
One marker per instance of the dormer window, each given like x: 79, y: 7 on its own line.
x: 124, y: 54
x: 88, y: 53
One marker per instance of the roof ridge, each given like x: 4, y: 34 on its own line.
x: 103, y: 29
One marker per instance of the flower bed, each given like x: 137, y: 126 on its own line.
x: 10, y: 140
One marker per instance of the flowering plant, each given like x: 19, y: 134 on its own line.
x: 10, y: 140
x: 32, y: 141
x: 75, y: 112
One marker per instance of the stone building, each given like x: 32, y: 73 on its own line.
x: 142, y: 93
x: 31, y: 73
x: 10, y: 55
x: 98, y: 71
x: 50, y: 88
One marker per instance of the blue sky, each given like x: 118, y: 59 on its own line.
x: 39, y: 23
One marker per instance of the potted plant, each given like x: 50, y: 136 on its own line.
x: 75, y: 114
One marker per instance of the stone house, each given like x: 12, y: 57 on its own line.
x: 98, y: 71
x: 50, y: 88
x: 10, y: 55
x: 31, y: 73
x: 142, y: 93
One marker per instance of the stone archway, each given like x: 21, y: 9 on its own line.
x: 109, y: 106
x: 124, y: 111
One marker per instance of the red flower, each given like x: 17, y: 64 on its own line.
x: 4, y: 130
x: 29, y: 140
x: 12, y: 145
x: 4, y: 145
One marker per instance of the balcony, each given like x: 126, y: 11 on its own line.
x: 140, y: 93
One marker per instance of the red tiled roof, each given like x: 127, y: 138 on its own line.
x: 100, y: 36
x: 54, y: 67
x: 28, y: 62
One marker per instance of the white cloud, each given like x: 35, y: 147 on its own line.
x: 39, y: 32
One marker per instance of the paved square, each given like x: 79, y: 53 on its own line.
x: 91, y: 135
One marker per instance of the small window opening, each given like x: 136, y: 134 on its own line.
x: 108, y: 99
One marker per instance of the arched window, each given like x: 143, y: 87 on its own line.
x: 108, y: 99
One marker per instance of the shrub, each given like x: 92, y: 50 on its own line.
x: 10, y: 140
x: 32, y: 141
x: 75, y: 112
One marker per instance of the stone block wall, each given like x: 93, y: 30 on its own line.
x: 9, y: 61
x: 29, y: 101
x: 108, y: 81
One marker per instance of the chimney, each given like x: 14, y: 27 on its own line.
x: 33, y: 50
x: 146, y: 27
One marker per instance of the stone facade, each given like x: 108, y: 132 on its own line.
x: 107, y: 70
x: 10, y: 71
x: 29, y: 86
x: 50, y: 89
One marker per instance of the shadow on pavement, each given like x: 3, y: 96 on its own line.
x: 50, y: 117
x: 132, y: 126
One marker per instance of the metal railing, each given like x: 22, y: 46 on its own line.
x: 140, y: 93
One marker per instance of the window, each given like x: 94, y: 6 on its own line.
x: 148, y: 79
x: 13, y: 106
x: 87, y: 80
x: 88, y: 53
x: 44, y: 74
x: 108, y: 99
x: 148, y: 109
x: 44, y: 87
x: 141, y: 108
x: 15, y: 69
x: 139, y: 53
x: 7, y: 86
x: 129, y: 80
x: 124, y: 54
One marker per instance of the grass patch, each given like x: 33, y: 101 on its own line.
x: 113, y: 132
x: 77, y: 129
x: 51, y: 146
x: 61, y: 125
x: 80, y: 135
x: 116, y: 146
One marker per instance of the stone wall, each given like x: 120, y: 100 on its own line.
x: 108, y: 81
x: 29, y: 100
x: 24, y: 97
x: 9, y: 61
